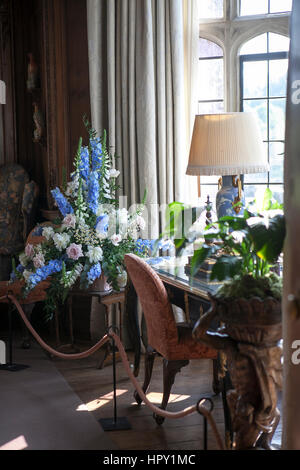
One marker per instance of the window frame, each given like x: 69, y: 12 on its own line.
x: 231, y: 33
x: 260, y: 14
x: 266, y: 56
x: 220, y: 57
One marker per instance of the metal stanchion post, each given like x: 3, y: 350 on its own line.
x: 115, y: 423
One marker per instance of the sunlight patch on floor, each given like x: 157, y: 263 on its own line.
x: 100, y: 401
x: 19, y: 443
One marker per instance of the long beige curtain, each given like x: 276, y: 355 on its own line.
x: 138, y: 94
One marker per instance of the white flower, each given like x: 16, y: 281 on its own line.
x: 26, y: 274
x: 113, y: 173
x: 48, y: 232
x: 38, y: 249
x: 101, y: 235
x: 116, y: 239
x: 81, y: 222
x: 23, y: 259
x: 140, y: 222
x: 72, y: 186
x: 61, y: 240
x: 94, y: 254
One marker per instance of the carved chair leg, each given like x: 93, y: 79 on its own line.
x: 149, y: 361
x: 170, y: 369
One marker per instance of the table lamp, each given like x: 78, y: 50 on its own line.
x: 228, y: 145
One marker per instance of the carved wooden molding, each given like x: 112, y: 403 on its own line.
x: 50, y: 97
x: 7, y: 111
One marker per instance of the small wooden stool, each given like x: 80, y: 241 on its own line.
x: 117, y: 299
x: 108, y: 299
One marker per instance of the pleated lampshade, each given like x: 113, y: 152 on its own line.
x: 226, y: 144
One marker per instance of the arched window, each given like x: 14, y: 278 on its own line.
x: 237, y: 35
x: 263, y: 83
x: 262, y: 7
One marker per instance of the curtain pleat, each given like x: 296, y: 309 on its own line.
x: 136, y: 59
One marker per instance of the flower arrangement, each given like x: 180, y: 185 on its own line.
x: 92, y: 234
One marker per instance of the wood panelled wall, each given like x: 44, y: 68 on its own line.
x: 55, y: 32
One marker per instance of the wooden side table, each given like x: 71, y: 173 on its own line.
x: 108, y: 299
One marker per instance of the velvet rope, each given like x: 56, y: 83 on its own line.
x: 199, y: 407
x: 48, y: 348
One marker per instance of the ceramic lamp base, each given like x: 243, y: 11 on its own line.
x: 227, y: 197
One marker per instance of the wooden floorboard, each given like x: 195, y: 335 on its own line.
x: 94, y: 387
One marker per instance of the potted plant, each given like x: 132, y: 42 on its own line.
x: 247, y: 309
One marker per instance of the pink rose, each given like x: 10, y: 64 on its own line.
x: 74, y: 251
x: 29, y: 250
x: 39, y: 260
x: 69, y: 221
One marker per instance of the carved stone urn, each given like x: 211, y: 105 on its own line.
x: 249, y: 335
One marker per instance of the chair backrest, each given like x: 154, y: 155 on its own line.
x: 160, y: 322
x: 13, y: 179
x: 18, y: 198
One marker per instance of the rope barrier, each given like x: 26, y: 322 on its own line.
x: 198, y: 407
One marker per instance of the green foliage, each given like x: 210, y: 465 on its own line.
x: 249, y: 286
x: 244, y: 247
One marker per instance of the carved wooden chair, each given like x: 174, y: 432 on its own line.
x: 38, y: 294
x: 174, y: 342
x: 18, y: 199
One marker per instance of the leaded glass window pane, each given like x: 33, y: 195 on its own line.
x: 279, y: 6
x: 210, y: 78
x: 263, y: 7
x: 263, y: 91
x: 253, y: 7
x: 211, y: 8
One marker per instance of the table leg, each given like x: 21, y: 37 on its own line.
x: 107, y: 345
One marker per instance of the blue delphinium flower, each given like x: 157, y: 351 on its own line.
x: 96, y: 154
x: 84, y: 166
x: 102, y: 223
x: 20, y: 268
x: 13, y: 275
x: 142, y: 247
x: 94, y: 273
x: 63, y: 205
x: 54, y: 266
x: 38, y: 231
x: 93, y: 191
x: 155, y: 261
x: 165, y: 245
